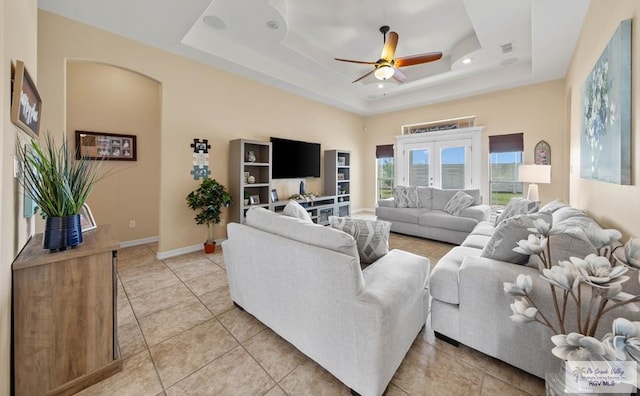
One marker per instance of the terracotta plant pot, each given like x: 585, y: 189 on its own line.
x: 209, y: 247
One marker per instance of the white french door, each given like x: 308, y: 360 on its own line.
x: 445, y: 160
x: 438, y: 164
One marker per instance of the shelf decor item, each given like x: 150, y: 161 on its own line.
x: 59, y: 185
x: 209, y: 199
x: 26, y: 104
x: 251, y: 156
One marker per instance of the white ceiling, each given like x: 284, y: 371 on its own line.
x: 298, y: 56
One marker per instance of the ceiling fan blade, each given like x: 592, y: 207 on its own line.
x: 366, y: 75
x: 389, y: 48
x: 399, y: 76
x: 417, y: 59
x: 355, y: 61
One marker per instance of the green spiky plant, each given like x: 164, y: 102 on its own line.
x: 209, y: 198
x: 58, y: 183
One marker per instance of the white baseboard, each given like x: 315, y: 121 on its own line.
x: 359, y: 210
x: 184, y: 250
x: 137, y: 242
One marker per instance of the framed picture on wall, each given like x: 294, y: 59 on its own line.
x: 26, y: 104
x: 108, y: 146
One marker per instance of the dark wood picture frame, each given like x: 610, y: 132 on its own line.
x: 26, y: 104
x: 106, y: 146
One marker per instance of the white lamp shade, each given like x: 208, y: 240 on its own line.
x: 534, y: 173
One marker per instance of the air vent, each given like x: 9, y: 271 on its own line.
x: 507, y: 48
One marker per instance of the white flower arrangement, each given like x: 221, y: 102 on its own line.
x: 604, y: 273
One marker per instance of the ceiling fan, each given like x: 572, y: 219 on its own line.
x: 387, y: 67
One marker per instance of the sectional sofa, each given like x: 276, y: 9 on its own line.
x: 425, y: 215
x: 469, y: 304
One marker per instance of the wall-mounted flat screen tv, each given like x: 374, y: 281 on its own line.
x: 294, y: 159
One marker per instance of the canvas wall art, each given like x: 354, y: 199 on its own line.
x: 605, y: 147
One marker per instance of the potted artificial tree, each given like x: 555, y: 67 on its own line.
x: 59, y: 185
x: 209, y: 198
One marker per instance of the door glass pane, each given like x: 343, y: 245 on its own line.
x: 453, y: 161
x: 419, y: 167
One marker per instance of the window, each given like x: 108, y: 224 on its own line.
x: 505, y: 155
x: 384, y: 171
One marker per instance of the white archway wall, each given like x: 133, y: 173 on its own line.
x: 110, y: 99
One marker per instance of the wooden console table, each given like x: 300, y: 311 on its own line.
x: 64, y: 315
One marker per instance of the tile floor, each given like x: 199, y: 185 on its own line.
x: 180, y: 334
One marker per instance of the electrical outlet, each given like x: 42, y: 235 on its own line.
x: 222, y: 222
x: 132, y: 224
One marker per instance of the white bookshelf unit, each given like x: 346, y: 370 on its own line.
x: 244, y: 168
x: 337, y: 179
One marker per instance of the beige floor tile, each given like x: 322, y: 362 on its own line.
x: 311, y: 379
x: 217, y: 301
x: 160, y: 299
x: 125, y: 312
x: 190, y: 350
x: 274, y: 354
x: 162, y: 325
x: 275, y: 391
x: 516, y: 377
x: 138, y: 377
x: 235, y: 373
x: 207, y: 282
x: 135, y: 256
x: 194, y: 269
x: 145, y: 279
x: 218, y: 259
x: 426, y: 339
x: 240, y: 324
x: 492, y: 386
x: 436, y: 374
x: 393, y: 390
x: 130, y: 340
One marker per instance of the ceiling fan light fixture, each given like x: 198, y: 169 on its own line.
x: 384, y: 72
x: 466, y: 61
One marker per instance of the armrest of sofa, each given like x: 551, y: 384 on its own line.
x: 386, y: 203
x: 478, y: 212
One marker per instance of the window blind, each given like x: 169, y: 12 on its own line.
x: 506, y: 143
x: 384, y: 151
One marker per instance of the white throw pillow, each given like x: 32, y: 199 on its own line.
x: 406, y: 197
x: 458, y: 202
x: 372, y: 236
x: 518, y: 206
x: 294, y: 209
x: 507, y: 235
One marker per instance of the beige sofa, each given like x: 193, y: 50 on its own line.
x: 469, y: 304
x: 430, y: 219
x: 304, y: 281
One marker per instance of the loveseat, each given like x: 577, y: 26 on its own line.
x: 469, y: 304
x: 305, y: 282
x: 423, y: 213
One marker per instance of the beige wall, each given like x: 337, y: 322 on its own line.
x: 104, y: 98
x: 612, y: 205
x: 536, y: 110
x: 198, y: 101
x: 18, y: 27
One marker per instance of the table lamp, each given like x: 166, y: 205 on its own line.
x: 534, y: 174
